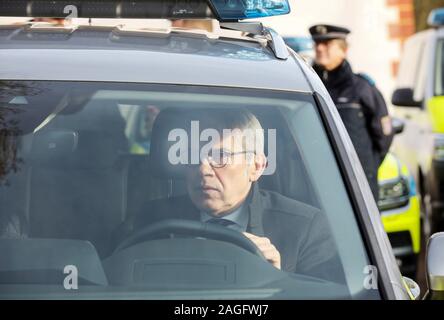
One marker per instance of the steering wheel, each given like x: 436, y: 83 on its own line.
x: 189, y: 228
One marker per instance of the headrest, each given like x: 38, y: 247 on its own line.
x: 54, y: 145
x: 83, y: 150
x: 164, y: 127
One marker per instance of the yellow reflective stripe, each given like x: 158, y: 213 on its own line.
x: 389, y: 168
x: 138, y: 149
x: 405, y: 171
x: 412, y: 297
x: 436, y: 108
x: 407, y: 220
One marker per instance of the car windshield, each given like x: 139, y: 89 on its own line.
x: 165, y: 191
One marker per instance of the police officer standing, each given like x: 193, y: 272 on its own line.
x: 359, y: 102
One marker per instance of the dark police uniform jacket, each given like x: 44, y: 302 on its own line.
x: 299, y: 232
x: 365, y: 116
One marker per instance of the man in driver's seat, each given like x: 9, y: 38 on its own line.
x: 223, y: 190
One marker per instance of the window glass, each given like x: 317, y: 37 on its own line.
x: 157, y: 189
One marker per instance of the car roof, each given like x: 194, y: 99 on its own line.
x: 92, y: 53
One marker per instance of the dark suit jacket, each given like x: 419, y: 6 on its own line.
x: 299, y: 232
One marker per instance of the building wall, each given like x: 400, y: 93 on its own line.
x: 403, y: 27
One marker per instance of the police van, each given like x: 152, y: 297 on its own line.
x: 118, y: 181
x: 419, y: 101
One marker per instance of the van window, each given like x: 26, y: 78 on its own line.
x: 413, y: 66
x: 439, y: 72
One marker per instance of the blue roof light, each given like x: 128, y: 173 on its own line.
x: 436, y: 18
x: 229, y: 10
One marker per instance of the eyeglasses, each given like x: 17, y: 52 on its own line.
x: 219, y: 158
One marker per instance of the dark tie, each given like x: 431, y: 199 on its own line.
x: 222, y: 222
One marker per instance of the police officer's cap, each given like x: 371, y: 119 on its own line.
x: 323, y: 32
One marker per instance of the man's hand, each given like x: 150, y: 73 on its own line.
x: 267, y: 248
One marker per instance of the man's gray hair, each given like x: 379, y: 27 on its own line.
x: 252, y: 131
x: 237, y: 119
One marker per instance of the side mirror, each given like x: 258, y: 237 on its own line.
x: 405, y: 98
x: 398, y: 125
x: 413, y: 287
x: 435, y: 266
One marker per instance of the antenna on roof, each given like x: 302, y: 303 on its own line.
x: 275, y: 41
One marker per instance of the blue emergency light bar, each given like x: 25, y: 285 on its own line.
x: 436, y: 18
x: 223, y: 10
x: 249, y: 9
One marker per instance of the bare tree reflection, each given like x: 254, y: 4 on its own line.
x: 9, y: 133
x: 14, y: 88
x: 9, y: 127
x: 20, y: 113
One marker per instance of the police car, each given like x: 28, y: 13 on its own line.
x: 400, y: 211
x: 100, y: 127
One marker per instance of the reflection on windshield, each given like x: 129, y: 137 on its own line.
x: 168, y: 188
x: 9, y: 161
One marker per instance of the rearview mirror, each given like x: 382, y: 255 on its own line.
x: 435, y: 266
x: 405, y: 98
